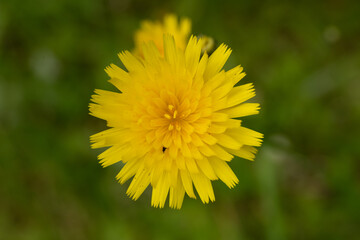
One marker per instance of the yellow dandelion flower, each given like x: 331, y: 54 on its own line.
x: 174, y: 122
x: 154, y: 31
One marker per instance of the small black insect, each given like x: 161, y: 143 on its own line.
x: 164, y: 148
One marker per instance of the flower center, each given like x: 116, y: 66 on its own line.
x: 174, y: 118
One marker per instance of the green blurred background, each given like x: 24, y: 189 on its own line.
x: 302, y: 56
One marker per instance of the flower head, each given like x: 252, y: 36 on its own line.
x: 154, y: 31
x: 174, y: 124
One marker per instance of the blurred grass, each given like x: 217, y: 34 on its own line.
x: 304, y: 60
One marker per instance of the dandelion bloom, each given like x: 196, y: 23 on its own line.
x: 174, y: 122
x: 154, y: 31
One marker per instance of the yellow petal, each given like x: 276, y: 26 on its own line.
x: 242, y: 110
x: 170, y: 49
x: 246, y: 152
x: 177, y: 195
x: 224, y: 172
x: 206, y: 168
x: 203, y: 187
x: 187, y: 183
x: 240, y: 94
x: 130, y: 61
x: 246, y: 136
x: 216, y: 61
x: 221, y: 153
x: 192, y: 55
x: 227, y: 141
x: 139, y: 183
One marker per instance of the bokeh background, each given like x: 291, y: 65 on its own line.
x: 302, y: 56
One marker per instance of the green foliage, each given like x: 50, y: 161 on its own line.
x: 303, y: 58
